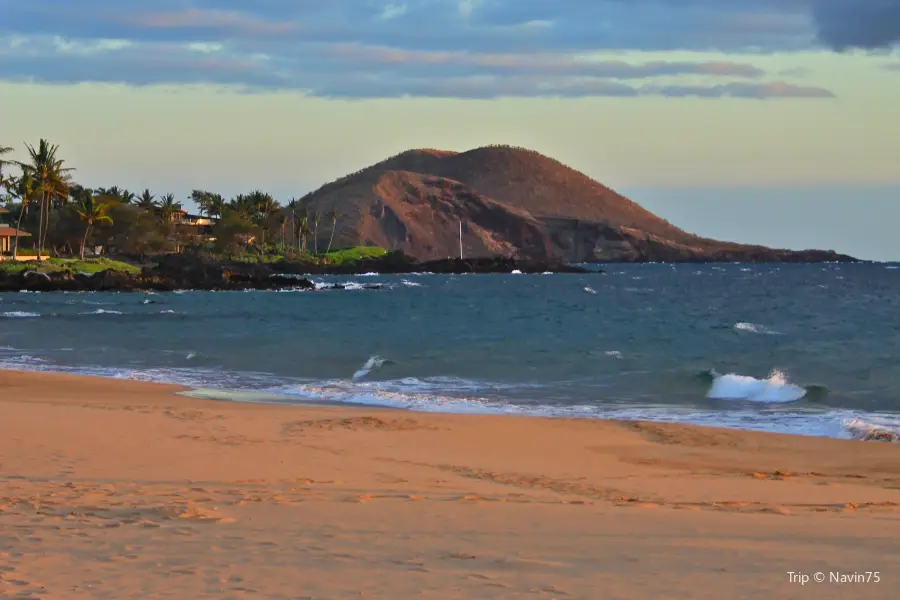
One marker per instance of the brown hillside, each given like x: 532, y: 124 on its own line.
x: 527, y: 179
x: 511, y: 201
x: 421, y: 215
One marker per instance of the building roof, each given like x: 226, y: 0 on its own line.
x: 11, y: 232
x: 3, y: 210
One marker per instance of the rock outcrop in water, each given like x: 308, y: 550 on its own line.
x: 513, y: 202
x: 200, y: 272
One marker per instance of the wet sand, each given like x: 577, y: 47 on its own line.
x: 118, y: 489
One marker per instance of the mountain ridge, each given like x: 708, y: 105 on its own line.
x: 514, y: 202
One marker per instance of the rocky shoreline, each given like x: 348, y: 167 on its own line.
x: 197, y: 272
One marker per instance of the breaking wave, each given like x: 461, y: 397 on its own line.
x: 374, y: 362
x: 775, y: 389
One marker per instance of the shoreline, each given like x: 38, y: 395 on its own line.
x: 864, y: 431
x: 123, y: 489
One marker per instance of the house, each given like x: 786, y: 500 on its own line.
x: 8, y: 234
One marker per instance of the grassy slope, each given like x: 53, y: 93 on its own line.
x: 339, y: 257
x: 72, y: 265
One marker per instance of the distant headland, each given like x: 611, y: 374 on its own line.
x: 491, y: 209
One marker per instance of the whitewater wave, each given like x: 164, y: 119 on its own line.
x: 408, y: 283
x: 755, y: 328
x: 374, y: 362
x: 101, y: 311
x: 590, y: 290
x: 773, y: 390
x: 18, y: 314
x: 880, y: 428
x: 456, y: 395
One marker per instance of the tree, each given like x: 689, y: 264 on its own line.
x: 215, y: 206
x: 303, y: 229
x: 292, y: 205
x: 233, y: 231
x: 315, y: 220
x: 26, y: 191
x: 4, y: 180
x: 51, y: 179
x: 168, y: 207
x: 146, y: 200
x: 335, y: 215
x: 263, y: 208
x: 91, y: 211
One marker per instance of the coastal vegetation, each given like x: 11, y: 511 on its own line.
x: 52, y: 217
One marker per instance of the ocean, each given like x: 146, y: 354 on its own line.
x: 805, y: 349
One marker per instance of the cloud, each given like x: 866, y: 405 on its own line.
x: 866, y: 24
x: 414, y: 47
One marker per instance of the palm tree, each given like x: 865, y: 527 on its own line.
x: 51, y: 179
x: 335, y: 215
x: 292, y: 205
x: 215, y: 206
x: 168, y: 207
x: 5, y: 182
x: 127, y: 197
x: 26, y: 191
x: 303, y: 229
x: 146, y: 200
x: 243, y: 205
x: 264, y: 207
x: 315, y: 220
x: 90, y: 211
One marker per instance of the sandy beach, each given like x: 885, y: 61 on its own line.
x: 118, y: 489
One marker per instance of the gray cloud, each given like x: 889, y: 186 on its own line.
x: 866, y: 24
x: 328, y: 46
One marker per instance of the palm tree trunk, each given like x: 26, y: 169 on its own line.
x: 41, y: 227
x: 87, y: 231
x: 18, y: 227
x: 316, y: 238
x: 331, y: 239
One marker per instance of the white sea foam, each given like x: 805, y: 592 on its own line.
x: 613, y: 353
x: 409, y: 283
x: 773, y: 390
x: 101, y: 311
x: 516, y: 272
x: 454, y: 395
x: 754, y: 328
x: 374, y: 362
x: 590, y: 290
x: 883, y: 428
x: 167, y: 312
x: 18, y: 314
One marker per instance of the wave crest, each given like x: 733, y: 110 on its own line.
x: 775, y: 389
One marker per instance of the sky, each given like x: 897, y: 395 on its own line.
x: 768, y: 121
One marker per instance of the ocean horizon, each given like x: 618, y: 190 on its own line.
x: 793, y: 348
